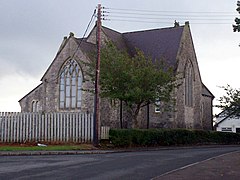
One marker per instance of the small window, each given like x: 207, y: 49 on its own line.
x: 34, y: 106
x: 157, y: 106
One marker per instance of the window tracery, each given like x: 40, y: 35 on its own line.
x: 70, y: 90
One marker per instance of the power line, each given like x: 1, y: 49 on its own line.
x: 171, y: 14
x: 183, y: 12
x: 149, y: 16
x: 84, y: 34
x: 165, y: 22
x: 189, y: 18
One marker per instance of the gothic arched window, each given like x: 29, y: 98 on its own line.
x: 70, y: 86
x: 189, y: 85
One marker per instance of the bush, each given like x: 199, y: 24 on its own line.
x: 169, y: 137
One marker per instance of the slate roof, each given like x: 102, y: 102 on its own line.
x: 86, y: 46
x: 156, y: 43
x: 116, y: 37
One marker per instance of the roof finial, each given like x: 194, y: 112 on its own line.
x: 71, y: 34
x: 176, y: 24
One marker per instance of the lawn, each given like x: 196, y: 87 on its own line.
x: 26, y: 147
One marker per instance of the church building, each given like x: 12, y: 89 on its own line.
x: 63, y: 86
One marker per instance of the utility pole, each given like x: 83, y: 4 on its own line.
x: 97, y: 76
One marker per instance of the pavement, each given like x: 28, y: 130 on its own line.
x: 225, y: 167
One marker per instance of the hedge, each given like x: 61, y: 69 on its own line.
x: 169, y: 137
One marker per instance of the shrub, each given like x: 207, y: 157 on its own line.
x: 169, y: 137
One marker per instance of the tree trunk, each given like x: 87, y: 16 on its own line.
x: 135, y: 117
x: 121, y: 114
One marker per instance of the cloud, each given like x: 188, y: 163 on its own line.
x: 31, y: 33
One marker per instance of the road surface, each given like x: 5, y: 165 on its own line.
x: 129, y: 165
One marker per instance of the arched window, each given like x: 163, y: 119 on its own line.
x: 70, y: 86
x: 189, y: 85
x: 35, y: 106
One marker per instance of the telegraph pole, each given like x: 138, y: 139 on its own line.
x: 97, y: 76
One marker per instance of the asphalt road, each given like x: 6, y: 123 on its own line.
x: 128, y: 165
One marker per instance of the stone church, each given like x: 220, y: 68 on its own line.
x: 63, y: 84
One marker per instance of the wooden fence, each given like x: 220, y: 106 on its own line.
x: 47, y: 127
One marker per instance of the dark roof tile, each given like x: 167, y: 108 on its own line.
x: 157, y: 43
x: 86, y: 46
x: 115, y: 37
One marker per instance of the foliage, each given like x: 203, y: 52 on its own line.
x: 230, y: 101
x: 236, y: 27
x: 169, y: 137
x: 136, y: 81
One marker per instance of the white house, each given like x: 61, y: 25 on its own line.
x: 227, y: 123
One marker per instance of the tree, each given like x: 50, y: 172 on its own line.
x: 136, y: 81
x: 236, y: 27
x: 230, y: 101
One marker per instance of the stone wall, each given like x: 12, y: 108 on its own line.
x: 188, y: 117
x: 35, y: 95
x: 207, y: 117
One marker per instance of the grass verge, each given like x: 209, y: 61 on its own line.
x: 23, y: 147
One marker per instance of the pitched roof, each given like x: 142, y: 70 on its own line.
x: 223, y: 116
x: 31, y: 91
x: 156, y: 43
x: 85, y: 46
x: 115, y: 37
x: 206, y: 92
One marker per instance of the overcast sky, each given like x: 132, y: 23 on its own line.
x: 31, y: 33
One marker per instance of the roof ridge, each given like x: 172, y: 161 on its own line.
x: 147, y: 30
x: 104, y: 27
x: 82, y: 40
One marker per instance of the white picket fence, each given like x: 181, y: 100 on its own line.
x: 19, y: 127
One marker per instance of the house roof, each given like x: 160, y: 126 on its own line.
x: 223, y: 115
